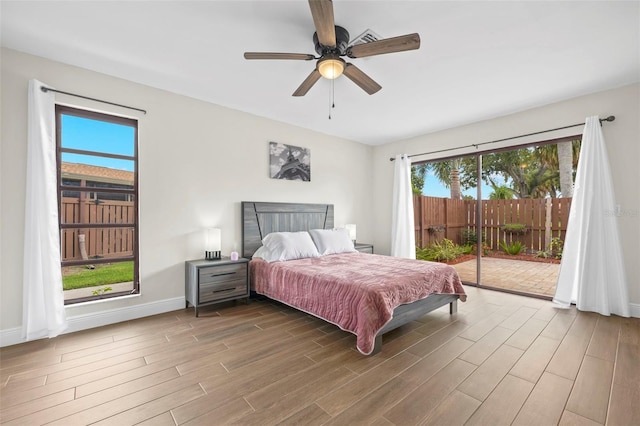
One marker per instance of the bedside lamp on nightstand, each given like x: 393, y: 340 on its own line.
x: 352, y: 231
x: 213, y: 244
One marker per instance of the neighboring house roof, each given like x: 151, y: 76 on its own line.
x: 96, y: 173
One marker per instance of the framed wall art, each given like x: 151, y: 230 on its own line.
x: 289, y: 162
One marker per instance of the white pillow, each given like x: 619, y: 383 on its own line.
x: 332, y: 241
x: 287, y: 246
x: 264, y: 254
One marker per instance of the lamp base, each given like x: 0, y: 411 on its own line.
x: 212, y: 255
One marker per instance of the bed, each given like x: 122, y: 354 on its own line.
x: 367, y: 295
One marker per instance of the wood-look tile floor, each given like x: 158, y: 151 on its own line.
x: 502, y: 359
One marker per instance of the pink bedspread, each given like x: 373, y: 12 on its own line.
x: 357, y: 292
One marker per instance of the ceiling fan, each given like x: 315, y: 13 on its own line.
x: 331, y: 42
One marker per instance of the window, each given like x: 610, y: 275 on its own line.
x: 97, y: 159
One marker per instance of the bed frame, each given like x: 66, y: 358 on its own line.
x: 261, y: 218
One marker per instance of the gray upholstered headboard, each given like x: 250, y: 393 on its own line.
x: 261, y: 218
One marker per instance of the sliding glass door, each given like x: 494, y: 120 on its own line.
x: 500, y: 218
x: 446, y: 215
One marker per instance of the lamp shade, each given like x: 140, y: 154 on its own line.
x: 331, y: 68
x: 214, y: 239
x: 352, y: 231
x: 213, y: 243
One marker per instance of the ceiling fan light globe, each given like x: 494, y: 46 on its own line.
x: 331, y: 68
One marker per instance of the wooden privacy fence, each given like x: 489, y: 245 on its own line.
x: 98, y: 242
x: 543, y: 218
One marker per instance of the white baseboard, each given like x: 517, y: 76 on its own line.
x: 13, y: 336
x: 635, y: 310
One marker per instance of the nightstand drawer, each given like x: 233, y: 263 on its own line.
x: 218, y: 274
x: 217, y: 291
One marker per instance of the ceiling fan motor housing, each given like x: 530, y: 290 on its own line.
x: 342, y: 42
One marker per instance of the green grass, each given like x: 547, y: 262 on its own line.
x: 104, y: 274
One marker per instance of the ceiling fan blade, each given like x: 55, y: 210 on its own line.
x: 322, y: 12
x: 307, y: 83
x: 270, y: 55
x: 365, y: 82
x: 386, y: 45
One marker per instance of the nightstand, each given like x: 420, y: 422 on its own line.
x: 214, y: 281
x: 364, y: 248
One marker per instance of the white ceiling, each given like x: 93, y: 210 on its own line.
x: 478, y: 59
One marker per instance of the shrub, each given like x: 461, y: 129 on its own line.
x: 440, y: 252
x: 543, y: 254
x: 469, y: 236
x: 556, y: 247
x: 468, y: 249
x: 513, y: 249
x: 486, y: 250
x: 554, y: 250
x: 514, y: 228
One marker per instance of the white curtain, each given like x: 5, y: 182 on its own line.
x: 43, y: 313
x: 592, y: 272
x: 403, y: 239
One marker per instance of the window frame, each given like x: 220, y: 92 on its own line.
x: 91, y: 191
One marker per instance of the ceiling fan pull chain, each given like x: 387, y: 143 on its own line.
x: 333, y: 93
x: 332, y: 98
x: 331, y: 102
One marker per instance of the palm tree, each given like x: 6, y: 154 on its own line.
x: 565, y: 161
x: 563, y: 157
x: 418, y: 174
x: 501, y: 192
x: 538, y: 183
x: 448, y: 172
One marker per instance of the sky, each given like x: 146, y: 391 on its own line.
x: 433, y: 188
x: 100, y: 136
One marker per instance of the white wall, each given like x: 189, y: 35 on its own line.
x: 198, y: 161
x: 622, y: 138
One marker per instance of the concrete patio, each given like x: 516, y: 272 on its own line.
x: 518, y: 275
